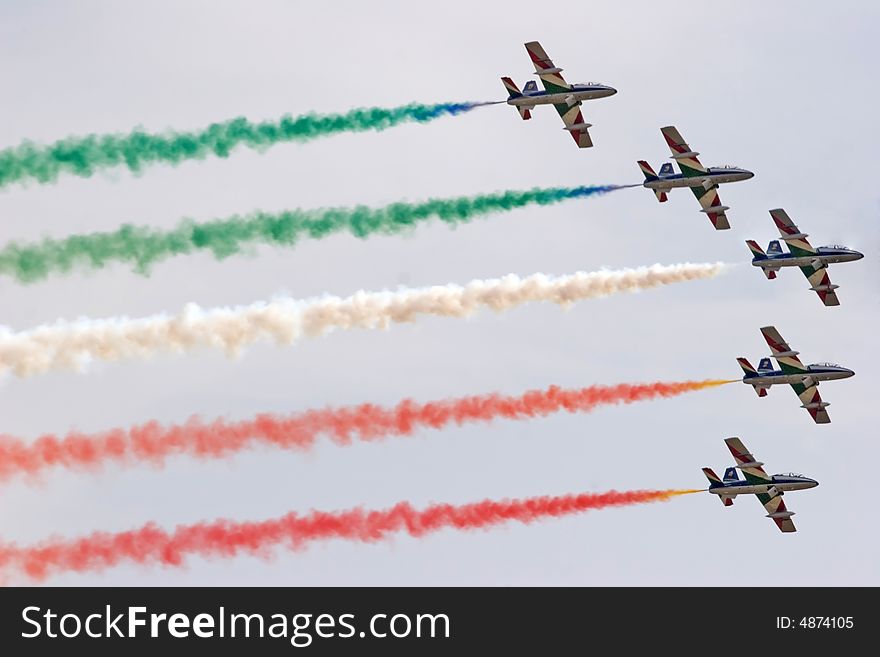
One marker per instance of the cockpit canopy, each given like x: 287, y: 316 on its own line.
x: 789, y: 474
x: 834, y: 246
x: 727, y: 166
x: 826, y: 363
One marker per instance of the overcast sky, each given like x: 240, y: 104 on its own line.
x: 785, y: 89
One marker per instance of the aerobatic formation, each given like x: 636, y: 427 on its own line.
x: 64, y: 345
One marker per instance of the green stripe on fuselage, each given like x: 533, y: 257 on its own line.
x: 755, y: 479
x: 552, y: 88
x: 791, y: 369
x: 689, y: 172
x: 798, y: 251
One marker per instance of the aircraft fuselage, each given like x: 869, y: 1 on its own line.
x: 813, y: 372
x: 782, y: 483
x: 716, y: 175
x: 577, y: 93
x: 824, y: 255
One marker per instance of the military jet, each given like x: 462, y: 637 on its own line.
x: 703, y: 181
x: 565, y: 97
x: 767, y: 488
x: 813, y: 262
x: 804, y: 380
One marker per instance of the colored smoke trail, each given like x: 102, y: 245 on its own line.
x: 152, y: 442
x: 63, y: 345
x: 84, y: 156
x: 143, y: 246
x: 151, y: 544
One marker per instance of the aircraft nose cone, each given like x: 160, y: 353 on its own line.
x: 858, y: 255
x: 849, y: 373
x: 813, y: 483
x: 749, y: 174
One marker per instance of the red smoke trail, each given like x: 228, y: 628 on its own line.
x: 153, y: 442
x: 225, y: 538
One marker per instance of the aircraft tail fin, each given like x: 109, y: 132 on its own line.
x: 774, y: 248
x: 714, y: 480
x: 512, y: 90
x: 730, y: 475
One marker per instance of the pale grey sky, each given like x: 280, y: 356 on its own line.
x: 786, y: 89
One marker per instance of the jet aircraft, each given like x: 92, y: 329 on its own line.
x: 703, y: 181
x: 565, y: 97
x: 769, y: 489
x: 803, y: 379
x: 813, y: 262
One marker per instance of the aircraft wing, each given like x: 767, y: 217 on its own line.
x: 812, y: 401
x: 711, y: 206
x: 687, y: 159
x: 786, y: 357
x: 551, y: 75
x: 574, y: 123
x: 773, y: 504
x: 751, y: 468
x: 791, y: 234
x: 820, y: 283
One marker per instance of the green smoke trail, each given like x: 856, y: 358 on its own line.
x: 142, y: 246
x: 83, y: 156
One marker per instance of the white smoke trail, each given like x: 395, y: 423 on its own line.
x: 70, y: 345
